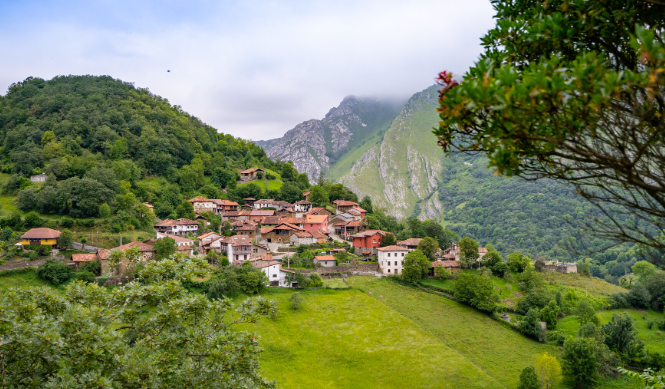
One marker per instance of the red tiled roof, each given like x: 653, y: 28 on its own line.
x: 293, y: 220
x: 367, y: 233
x: 345, y: 203
x: 178, y: 239
x: 446, y: 264
x: 179, y: 222
x: 143, y: 247
x: 272, y: 220
x: 207, y: 234
x: 303, y: 202
x: 84, y: 257
x: 200, y: 199
x: 238, y: 240
x: 268, y: 212
x: 409, y: 242
x: 318, y: 234
x: 41, y: 233
x: 324, y: 258
x: 251, y: 170
x: 266, y: 230
x: 449, y: 256
x: 262, y: 264
x: 393, y: 248
x: 315, y: 219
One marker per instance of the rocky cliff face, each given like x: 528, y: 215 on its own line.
x: 315, y: 145
x: 403, y: 169
x: 381, y: 149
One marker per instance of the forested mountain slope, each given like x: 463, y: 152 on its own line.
x: 102, y: 140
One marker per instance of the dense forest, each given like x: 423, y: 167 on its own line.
x: 538, y: 218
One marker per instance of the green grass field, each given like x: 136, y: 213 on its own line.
x: 594, y: 286
x: 265, y: 184
x: 25, y: 279
x: 380, y: 334
x: 347, y: 339
x: 653, y: 340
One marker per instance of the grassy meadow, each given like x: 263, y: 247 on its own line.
x: 654, y: 339
x: 348, y: 339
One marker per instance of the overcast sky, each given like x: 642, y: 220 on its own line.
x: 253, y: 69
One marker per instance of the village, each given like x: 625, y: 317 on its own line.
x: 266, y: 233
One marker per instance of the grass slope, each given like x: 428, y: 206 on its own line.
x: 497, y: 350
x: 653, y: 338
x: 347, y: 339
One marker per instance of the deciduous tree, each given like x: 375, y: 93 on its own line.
x: 548, y: 370
x: 582, y: 103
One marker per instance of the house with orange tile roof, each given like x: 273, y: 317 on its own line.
x: 325, y: 261
x: 281, y: 233
x: 177, y: 227
x: 80, y: 259
x: 411, y: 243
x: 251, y: 174
x: 316, y: 223
x: 201, y: 205
x: 237, y: 248
x: 366, y: 242
x: 40, y: 237
x: 344, y: 205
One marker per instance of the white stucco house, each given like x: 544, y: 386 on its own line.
x: 391, y: 259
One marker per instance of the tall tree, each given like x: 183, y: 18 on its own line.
x: 429, y: 246
x: 548, y: 370
x: 468, y: 251
x: 580, y: 365
x: 572, y: 91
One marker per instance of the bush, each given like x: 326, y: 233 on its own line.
x: 85, y: 276
x: 54, y: 272
x: 295, y: 299
x: 94, y: 267
x: 529, y: 379
x: 476, y: 291
x: 270, y: 176
x: 530, y: 325
x: 89, y: 223
x: 66, y: 222
x: 33, y: 255
x: 315, y: 280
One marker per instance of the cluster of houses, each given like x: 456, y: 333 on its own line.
x: 261, y: 226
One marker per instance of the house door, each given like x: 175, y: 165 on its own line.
x: 274, y: 283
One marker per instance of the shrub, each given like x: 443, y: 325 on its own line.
x: 529, y: 379
x: 315, y: 280
x: 476, y: 291
x: 94, y: 267
x: 66, y: 222
x: 53, y: 271
x: 270, y: 176
x: 530, y: 325
x: 295, y: 299
x: 85, y: 276
x: 33, y: 255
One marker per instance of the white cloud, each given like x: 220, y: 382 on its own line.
x: 257, y: 69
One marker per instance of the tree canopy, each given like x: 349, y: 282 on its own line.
x: 571, y: 91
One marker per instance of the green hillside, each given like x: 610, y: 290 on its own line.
x: 107, y: 147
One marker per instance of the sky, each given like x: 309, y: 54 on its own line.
x: 253, y: 69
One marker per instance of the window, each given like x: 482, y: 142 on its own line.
x: 402, y: 254
x: 274, y: 275
x: 388, y: 270
x: 388, y: 254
